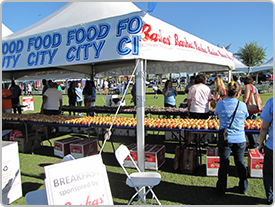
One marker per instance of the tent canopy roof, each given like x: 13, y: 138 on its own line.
x: 6, y: 31
x: 268, y: 65
x: 115, y: 35
x: 77, y: 13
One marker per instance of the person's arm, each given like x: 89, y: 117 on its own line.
x: 246, y: 93
x: 7, y: 97
x: 166, y: 92
x: 263, y: 133
x: 78, y: 95
x: 176, y: 93
x: 43, y: 103
x: 188, y: 107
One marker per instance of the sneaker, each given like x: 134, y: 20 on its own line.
x: 53, y: 131
x: 206, y: 145
x: 80, y: 114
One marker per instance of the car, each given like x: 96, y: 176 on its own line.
x: 174, y: 80
x: 263, y: 76
x: 182, y: 79
x: 163, y: 80
x: 212, y: 78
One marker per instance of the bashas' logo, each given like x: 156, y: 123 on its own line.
x: 5, y: 168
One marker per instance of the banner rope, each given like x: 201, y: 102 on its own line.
x: 109, y: 133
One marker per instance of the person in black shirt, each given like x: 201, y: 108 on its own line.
x: 72, y: 96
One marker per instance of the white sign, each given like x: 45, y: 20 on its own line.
x: 78, y: 182
x: 11, y: 179
x: 28, y: 102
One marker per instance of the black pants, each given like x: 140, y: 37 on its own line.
x: 199, y: 115
x: 168, y: 105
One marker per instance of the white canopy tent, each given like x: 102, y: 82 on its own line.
x: 5, y: 31
x: 240, y: 67
x: 266, y: 66
x: 110, y: 38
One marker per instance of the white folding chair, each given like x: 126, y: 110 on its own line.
x: 138, y: 180
x: 39, y: 197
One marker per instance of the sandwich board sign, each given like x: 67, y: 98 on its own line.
x: 78, y: 182
x: 28, y: 103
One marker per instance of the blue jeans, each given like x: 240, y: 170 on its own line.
x: 238, y: 153
x: 268, y: 174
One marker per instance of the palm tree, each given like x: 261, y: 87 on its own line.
x: 252, y: 54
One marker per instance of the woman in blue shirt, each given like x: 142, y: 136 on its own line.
x: 169, y: 94
x: 79, y: 98
x: 236, y: 138
x: 267, y: 127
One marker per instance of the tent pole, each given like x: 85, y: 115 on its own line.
x: 140, y: 98
x: 229, y: 75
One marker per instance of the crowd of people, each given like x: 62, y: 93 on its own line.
x: 231, y: 113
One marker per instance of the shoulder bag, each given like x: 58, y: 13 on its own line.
x: 255, y: 102
x: 223, y: 133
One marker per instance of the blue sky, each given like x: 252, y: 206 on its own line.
x: 235, y: 23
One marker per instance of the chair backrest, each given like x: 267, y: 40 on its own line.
x: 68, y: 158
x: 121, y: 154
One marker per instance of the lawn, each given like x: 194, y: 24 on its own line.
x: 174, y: 189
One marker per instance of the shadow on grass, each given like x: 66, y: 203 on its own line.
x: 41, y: 176
x: 29, y: 186
x: 168, y: 192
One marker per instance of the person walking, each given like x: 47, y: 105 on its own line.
x: 51, y: 98
x: 267, y: 128
x: 88, y: 92
x: 190, y: 84
x: 45, y: 86
x: 94, y: 93
x: 198, y: 98
x: 220, y: 92
x: 178, y: 83
x: 72, y: 97
x: 6, y: 99
x: 52, y: 103
x: 236, y: 143
x: 79, y: 98
x: 155, y: 88
x: 248, y: 100
x: 29, y: 89
x: 169, y: 94
x: 106, y: 86
x: 16, y: 93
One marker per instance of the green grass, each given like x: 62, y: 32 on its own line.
x: 174, y: 189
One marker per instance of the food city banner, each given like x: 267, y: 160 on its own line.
x: 123, y: 37
x: 82, y: 181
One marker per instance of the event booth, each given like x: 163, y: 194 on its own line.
x: 110, y: 39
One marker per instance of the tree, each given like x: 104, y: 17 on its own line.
x: 252, y: 54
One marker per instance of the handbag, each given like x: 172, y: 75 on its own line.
x: 223, y: 133
x: 255, y: 102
